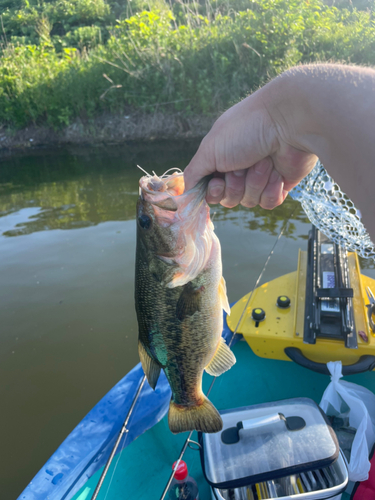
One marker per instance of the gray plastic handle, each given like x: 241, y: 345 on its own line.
x: 254, y: 423
x: 231, y: 435
x: 364, y: 364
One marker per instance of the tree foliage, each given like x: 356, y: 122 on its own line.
x: 192, y: 57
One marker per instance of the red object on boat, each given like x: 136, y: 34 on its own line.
x: 181, y: 471
x: 365, y: 490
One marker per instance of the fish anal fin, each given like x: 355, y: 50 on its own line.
x: 189, y: 301
x: 150, y: 367
x: 223, y: 295
x: 221, y: 362
x: 203, y: 417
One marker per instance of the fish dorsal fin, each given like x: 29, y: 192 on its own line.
x: 223, y: 360
x: 189, y: 302
x: 150, y: 367
x: 223, y: 295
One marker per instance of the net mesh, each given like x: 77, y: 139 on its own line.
x: 333, y: 212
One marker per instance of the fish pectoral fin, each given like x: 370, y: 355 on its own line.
x: 223, y: 295
x: 189, y: 301
x: 150, y: 367
x: 221, y: 362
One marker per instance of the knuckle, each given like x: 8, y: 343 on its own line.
x: 248, y: 204
x: 268, y: 203
x: 228, y: 204
x: 256, y: 182
x: 234, y: 192
x: 250, y: 201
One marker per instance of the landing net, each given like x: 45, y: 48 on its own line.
x: 333, y: 212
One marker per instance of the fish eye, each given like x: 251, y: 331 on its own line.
x: 144, y: 221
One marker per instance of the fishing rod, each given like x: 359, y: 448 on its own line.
x: 121, y: 433
x: 188, y: 440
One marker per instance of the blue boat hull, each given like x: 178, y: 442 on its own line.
x: 142, y: 470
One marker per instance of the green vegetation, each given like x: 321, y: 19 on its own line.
x: 68, y: 59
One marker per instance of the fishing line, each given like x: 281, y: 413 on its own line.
x: 114, y: 470
x: 255, y: 286
x: 144, y: 171
x: 118, y: 440
x: 176, y: 169
x: 188, y: 439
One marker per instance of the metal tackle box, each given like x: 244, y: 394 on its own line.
x: 284, y: 449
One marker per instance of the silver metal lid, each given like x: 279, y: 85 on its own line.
x: 274, y: 440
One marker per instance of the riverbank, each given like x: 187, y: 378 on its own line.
x: 66, y: 63
x: 109, y: 129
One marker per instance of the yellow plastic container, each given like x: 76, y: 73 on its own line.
x: 283, y: 327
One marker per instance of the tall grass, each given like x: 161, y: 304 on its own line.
x: 181, y: 56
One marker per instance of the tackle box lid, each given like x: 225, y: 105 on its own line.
x: 267, y: 441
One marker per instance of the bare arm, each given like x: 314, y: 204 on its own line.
x: 268, y: 142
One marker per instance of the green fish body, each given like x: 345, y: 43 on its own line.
x: 179, y: 295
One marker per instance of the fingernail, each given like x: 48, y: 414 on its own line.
x: 216, y: 191
x: 239, y: 173
x: 274, y: 177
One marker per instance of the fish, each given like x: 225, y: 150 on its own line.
x: 180, y: 295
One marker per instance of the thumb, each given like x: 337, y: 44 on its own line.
x: 235, y: 142
x: 202, y: 164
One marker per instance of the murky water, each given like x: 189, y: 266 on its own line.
x: 68, y: 329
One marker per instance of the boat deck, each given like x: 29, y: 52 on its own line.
x: 141, y: 471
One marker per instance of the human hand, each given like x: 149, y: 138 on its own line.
x: 253, y: 151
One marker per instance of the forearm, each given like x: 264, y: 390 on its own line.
x: 329, y: 110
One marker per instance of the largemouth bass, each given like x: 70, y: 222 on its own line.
x: 180, y: 295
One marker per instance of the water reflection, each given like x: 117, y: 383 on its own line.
x: 68, y: 196
x: 67, y: 205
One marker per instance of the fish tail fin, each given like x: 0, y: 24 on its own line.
x: 203, y: 417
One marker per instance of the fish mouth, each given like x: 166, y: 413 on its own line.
x: 153, y: 185
x: 167, y: 192
x: 186, y: 217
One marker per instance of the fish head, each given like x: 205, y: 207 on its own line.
x: 174, y: 226
x: 156, y: 213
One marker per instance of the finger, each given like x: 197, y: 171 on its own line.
x: 272, y: 195
x: 202, y: 164
x: 256, y: 180
x: 215, y: 190
x: 234, y: 188
x: 236, y: 140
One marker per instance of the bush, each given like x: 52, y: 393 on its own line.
x: 191, y: 57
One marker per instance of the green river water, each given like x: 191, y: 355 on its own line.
x: 68, y: 329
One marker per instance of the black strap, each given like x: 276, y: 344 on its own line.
x: 334, y: 293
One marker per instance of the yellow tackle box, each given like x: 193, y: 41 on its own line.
x: 319, y: 313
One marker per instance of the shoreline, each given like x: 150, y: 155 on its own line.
x: 108, y: 129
